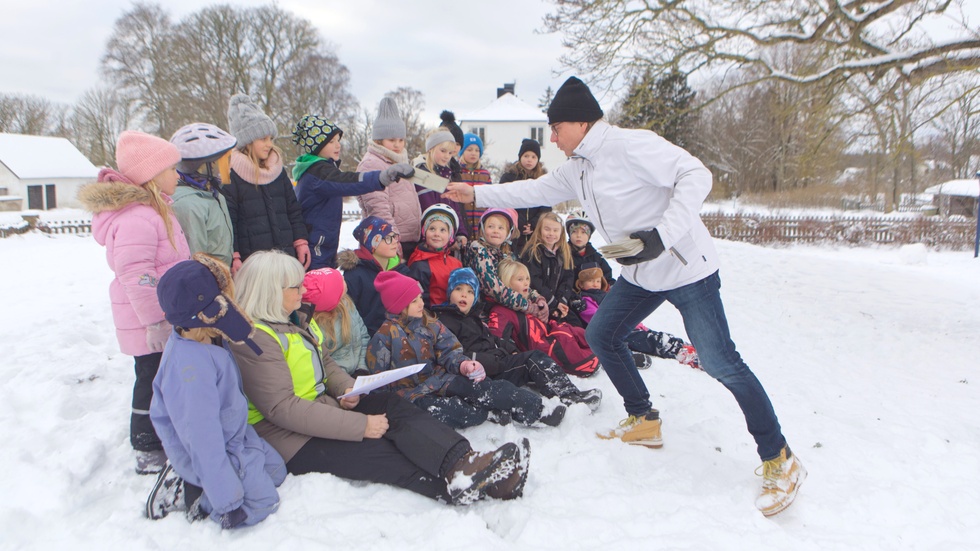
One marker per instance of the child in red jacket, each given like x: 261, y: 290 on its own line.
x: 563, y: 342
x: 431, y: 262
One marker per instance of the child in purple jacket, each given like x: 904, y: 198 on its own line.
x: 218, y: 465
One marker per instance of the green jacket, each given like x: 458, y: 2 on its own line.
x: 205, y: 221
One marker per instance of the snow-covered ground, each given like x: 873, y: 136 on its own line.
x: 871, y: 357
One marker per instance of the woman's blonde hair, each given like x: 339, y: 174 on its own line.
x: 262, y: 279
x: 564, y: 252
x: 508, y: 268
x: 159, y: 204
x: 326, y: 318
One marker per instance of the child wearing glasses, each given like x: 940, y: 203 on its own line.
x: 378, y: 253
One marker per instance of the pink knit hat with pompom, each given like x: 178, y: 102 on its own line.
x: 140, y: 157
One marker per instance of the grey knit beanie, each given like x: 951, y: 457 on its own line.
x: 247, y: 122
x: 389, y: 124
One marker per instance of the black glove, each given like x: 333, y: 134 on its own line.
x: 577, y: 305
x: 395, y: 172
x: 233, y: 518
x: 652, y: 248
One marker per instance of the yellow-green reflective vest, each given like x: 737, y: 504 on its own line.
x: 305, y: 365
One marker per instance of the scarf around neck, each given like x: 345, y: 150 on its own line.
x: 243, y: 166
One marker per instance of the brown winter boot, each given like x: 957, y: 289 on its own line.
x: 468, y: 480
x: 512, y: 487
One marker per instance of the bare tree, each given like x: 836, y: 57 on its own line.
x: 139, y: 60
x: 280, y: 40
x: 356, y: 139
x: 612, y: 39
x: 958, y: 128
x: 411, y: 104
x: 173, y: 74
x: 29, y: 115
x: 900, y: 113
x: 319, y: 84
x: 214, y: 56
x: 98, y: 118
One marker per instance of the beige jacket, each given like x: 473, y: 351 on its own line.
x: 291, y: 421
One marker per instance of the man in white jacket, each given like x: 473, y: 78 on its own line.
x: 633, y: 183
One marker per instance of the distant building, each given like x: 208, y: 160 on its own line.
x: 504, y: 123
x: 41, y: 172
x: 956, y: 197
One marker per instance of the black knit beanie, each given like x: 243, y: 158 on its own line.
x: 449, y: 122
x: 529, y: 145
x: 574, y: 102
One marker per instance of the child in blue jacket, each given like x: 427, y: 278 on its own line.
x: 321, y: 186
x: 218, y: 465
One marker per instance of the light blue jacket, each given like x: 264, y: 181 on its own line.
x: 201, y: 415
x: 349, y: 355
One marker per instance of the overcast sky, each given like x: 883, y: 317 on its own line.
x: 455, y: 52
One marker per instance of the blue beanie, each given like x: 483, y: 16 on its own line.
x: 464, y: 276
x: 470, y: 139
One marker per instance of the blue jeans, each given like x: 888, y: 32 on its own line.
x: 700, y: 306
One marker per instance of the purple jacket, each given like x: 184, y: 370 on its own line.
x: 138, y: 252
x: 201, y: 415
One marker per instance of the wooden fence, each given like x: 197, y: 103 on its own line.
x: 83, y: 226
x: 767, y: 229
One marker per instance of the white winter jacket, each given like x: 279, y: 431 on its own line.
x: 627, y: 181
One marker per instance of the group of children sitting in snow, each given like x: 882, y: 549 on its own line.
x: 487, y: 324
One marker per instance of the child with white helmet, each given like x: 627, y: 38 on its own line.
x: 431, y: 262
x: 198, y: 205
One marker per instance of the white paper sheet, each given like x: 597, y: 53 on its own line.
x: 429, y: 180
x: 367, y: 383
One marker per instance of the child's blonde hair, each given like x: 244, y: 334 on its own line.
x: 508, y: 268
x: 160, y: 205
x: 428, y: 153
x: 204, y: 335
x: 259, y: 165
x: 564, y: 252
x: 589, y: 274
x: 326, y: 318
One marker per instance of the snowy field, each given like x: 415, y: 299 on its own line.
x: 871, y: 357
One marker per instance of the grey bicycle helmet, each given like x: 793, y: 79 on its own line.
x: 200, y: 143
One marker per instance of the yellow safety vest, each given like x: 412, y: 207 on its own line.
x: 305, y: 365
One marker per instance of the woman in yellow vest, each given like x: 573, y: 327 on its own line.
x: 380, y: 437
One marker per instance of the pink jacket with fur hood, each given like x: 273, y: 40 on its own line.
x: 137, y: 250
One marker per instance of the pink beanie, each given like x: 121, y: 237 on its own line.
x: 324, y: 288
x: 397, y: 291
x: 140, y: 157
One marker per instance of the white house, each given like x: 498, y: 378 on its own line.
x: 504, y: 123
x: 956, y: 197
x: 45, y: 171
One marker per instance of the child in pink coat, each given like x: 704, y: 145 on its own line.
x: 134, y: 222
